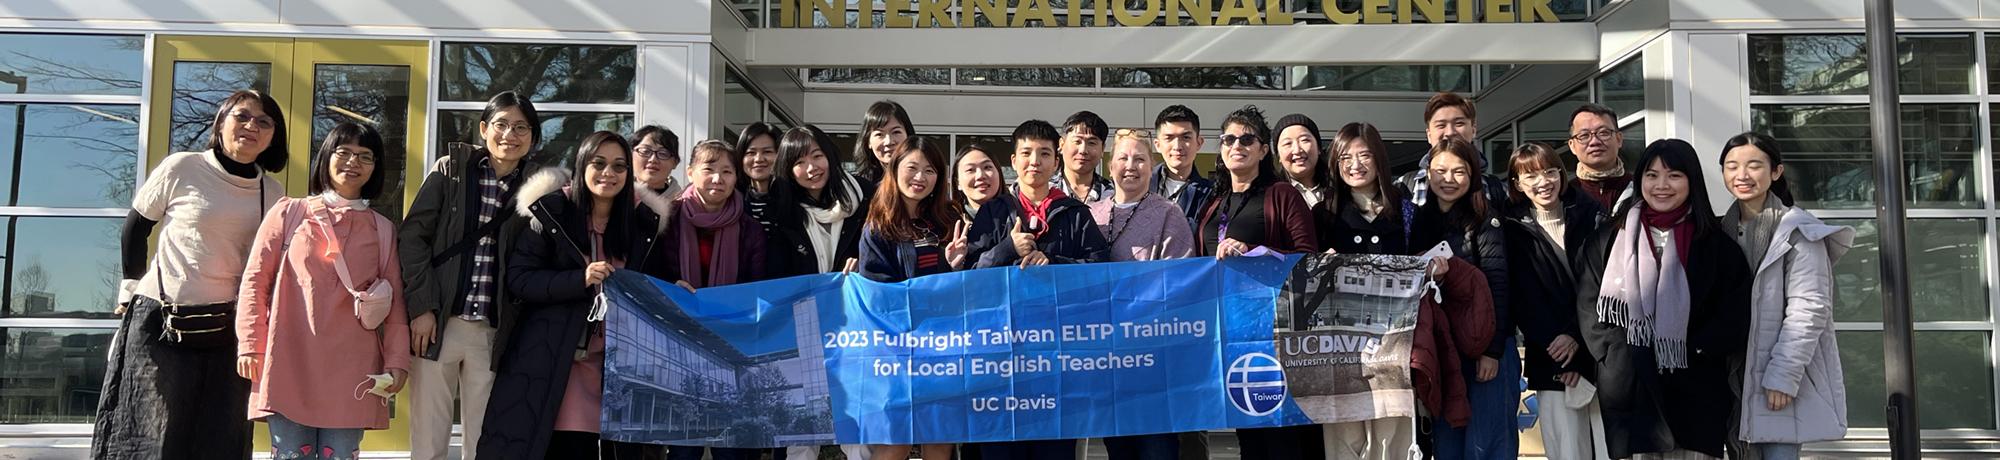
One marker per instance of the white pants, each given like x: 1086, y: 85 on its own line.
x: 1570, y: 434
x: 1378, y: 439
x: 463, y: 371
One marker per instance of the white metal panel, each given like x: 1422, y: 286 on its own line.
x: 1176, y: 46
x: 1526, y: 91
x: 1716, y: 64
x: 1631, y: 25
x: 253, y: 11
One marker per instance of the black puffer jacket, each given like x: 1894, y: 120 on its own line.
x: 549, y: 310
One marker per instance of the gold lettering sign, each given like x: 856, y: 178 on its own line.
x: 1040, y: 13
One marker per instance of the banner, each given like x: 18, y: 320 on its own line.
x: 1055, y: 352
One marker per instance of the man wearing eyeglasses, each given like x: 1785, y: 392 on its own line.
x: 1595, y: 140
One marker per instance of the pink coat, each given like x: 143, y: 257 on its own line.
x: 292, y: 310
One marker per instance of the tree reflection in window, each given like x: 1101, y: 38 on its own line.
x: 1196, y: 77
x: 588, y: 74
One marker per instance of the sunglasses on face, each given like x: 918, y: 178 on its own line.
x: 1246, y: 139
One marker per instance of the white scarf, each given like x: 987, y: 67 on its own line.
x: 823, y: 224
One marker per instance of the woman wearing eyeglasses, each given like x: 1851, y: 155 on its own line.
x: 1547, y: 224
x: 171, y: 389
x: 655, y: 154
x: 1254, y: 207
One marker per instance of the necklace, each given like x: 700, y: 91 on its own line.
x: 1119, y: 229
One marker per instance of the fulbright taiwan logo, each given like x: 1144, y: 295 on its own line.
x: 1256, y: 384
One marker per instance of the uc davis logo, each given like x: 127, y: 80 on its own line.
x: 1256, y: 384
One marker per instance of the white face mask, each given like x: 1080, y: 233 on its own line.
x: 381, y: 382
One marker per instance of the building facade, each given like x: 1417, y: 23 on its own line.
x: 93, y: 92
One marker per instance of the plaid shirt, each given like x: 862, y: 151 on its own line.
x: 493, y: 192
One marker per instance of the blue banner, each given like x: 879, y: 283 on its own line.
x: 1054, y: 352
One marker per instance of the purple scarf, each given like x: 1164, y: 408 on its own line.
x: 723, y: 225
x: 1646, y: 292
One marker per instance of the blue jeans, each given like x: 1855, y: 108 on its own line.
x: 1491, y: 434
x: 1778, y: 451
x: 292, y: 441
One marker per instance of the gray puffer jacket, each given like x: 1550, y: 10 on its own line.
x: 1791, y: 347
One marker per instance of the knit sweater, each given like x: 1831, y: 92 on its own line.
x: 1154, y: 229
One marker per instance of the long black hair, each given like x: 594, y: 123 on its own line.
x: 1677, y: 155
x: 347, y: 133
x: 879, y: 114
x: 1779, y: 187
x: 274, y: 156
x: 786, y: 193
x: 615, y: 232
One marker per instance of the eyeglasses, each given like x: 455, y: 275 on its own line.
x: 513, y: 129
x: 1246, y: 139
x: 344, y: 155
x: 262, y: 122
x: 652, y: 154
x: 1532, y: 177
x: 1602, y: 134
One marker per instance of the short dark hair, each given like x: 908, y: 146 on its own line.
x: 1251, y: 117
x: 1178, y: 114
x: 666, y: 138
x: 347, y: 133
x: 1036, y: 130
x: 1089, y: 123
x: 1267, y: 169
x: 274, y: 156
x: 512, y: 100
x: 1449, y: 99
x: 1594, y: 109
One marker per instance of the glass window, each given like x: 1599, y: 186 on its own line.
x: 51, y: 375
x: 1419, y: 78
x: 561, y: 131
x: 1196, y: 77
x: 845, y: 143
x: 199, y: 88
x: 1955, y: 370
x: 68, y: 156
x: 1550, y: 125
x: 600, y: 74
x: 1499, y: 148
x: 1830, y: 163
x: 741, y: 106
x: 1946, y: 277
x: 920, y: 76
x: 1001, y: 148
x: 1071, y: 77
x: 61, y: 267
x: 1623, y: 88
x: 71, y: 64
x: 1838, y: 64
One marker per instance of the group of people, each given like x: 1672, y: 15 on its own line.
x: 1652, y: 326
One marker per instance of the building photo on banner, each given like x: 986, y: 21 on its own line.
x: 841, y: 229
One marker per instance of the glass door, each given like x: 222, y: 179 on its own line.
x: 318, y: 84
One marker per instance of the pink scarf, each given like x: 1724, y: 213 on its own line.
x: 723, y: 225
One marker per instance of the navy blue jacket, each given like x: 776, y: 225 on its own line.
x: 1072, y: 237
x: 1192, y: 197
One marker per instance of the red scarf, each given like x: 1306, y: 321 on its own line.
x: 1039, y: 211
x: 1683, y: 229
